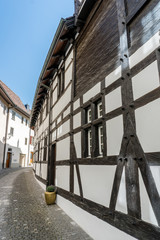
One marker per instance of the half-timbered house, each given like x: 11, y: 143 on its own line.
x: 96, y: 114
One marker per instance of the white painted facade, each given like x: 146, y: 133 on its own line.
x: 15, y: 147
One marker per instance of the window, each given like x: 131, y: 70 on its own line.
x: 13, y: 115
x: 22, y: 120
x: 61, y: 82
x: 31, y: 140
x: 25, y: 141
x: 99, y: 109
x: 45, y: 149
x: 11, y: 131
x: 100, y: 139
x: 89, y: 134
x: 93, y: 130
x: 26, y: 122
x: 88, y: 115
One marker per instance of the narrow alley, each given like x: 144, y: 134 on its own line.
x: 24, y: 213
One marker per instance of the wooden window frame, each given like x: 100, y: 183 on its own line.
x: 100, y: 140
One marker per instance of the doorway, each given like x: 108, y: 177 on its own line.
x: 8, y: 161
x: 52, y: 165
x: 22, y: 159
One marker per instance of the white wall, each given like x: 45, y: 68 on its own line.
x: 96, y: 228
x: 21, y: 131
x: 3, y: 118
x: 63, y: 149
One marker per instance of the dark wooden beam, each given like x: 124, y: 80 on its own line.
x: 53, y: 67
x: 60, y: 54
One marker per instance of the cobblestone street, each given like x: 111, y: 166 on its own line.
x: 24, y: 213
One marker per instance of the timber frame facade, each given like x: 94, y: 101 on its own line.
x: 97, y: 120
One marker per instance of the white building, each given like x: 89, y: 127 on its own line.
x: 15, y: 134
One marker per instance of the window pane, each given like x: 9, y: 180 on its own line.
x: 100, y: 139
x: 99, y: 109
x: 89, y: 142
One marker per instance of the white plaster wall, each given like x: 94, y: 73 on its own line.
x: 148, y: 126
x: 69, y: 59
x: 61, y: 104
x: 145, y: 81
x: 156, y: 175
x: 96, y: 228
x: 145, y: 50
x: 54, y: 83
x: 66, y: 112
x: 77, y: 142
x: 76, y: 186
x: 147, y: 213
x: 46, y: 123
x: 54, y: 135
x: 3, y: 118
x: 92, y: 92
x: 44, y: 171
x: 77, y: 120
x: 68, y: 75
x: 54, y: 96
x: 113, y: 76
x: 59, y: 119
x: 62, y: 177
x: 53, y: 125
x: 38, y: 169
x: 97, y: 183
x: 114, y: 135
x: 121, y: 204
x: 113, y: 100
x: 76, y: 104
x: 62, y: 154
x: 63, y: 129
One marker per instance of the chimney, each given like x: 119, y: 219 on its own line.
x: 27, y: 107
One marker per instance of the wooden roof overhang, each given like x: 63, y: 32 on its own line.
x: 84, y: 11
x: 11, y: 104
x: 64, y: 34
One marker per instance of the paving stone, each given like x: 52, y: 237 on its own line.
x: 25, y: 215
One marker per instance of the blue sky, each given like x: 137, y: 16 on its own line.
x: 27, y: 28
